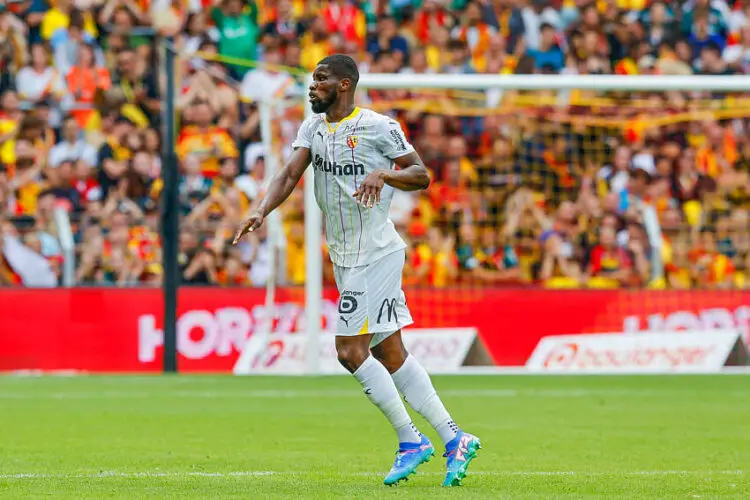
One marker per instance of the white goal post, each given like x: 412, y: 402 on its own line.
x: 602, y: 83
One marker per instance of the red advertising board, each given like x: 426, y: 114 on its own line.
x: 119, y: 330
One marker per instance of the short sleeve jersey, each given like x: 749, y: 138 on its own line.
x: 343, y: 154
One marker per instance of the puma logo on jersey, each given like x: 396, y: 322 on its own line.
x: 335, y: 168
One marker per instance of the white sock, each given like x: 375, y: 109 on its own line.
x: 414, y: 383
x: 379, y: 388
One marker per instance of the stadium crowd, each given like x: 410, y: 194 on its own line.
x: 575, y: 190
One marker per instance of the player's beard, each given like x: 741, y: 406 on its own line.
x: 321, y: 106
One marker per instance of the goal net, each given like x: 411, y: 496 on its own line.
x: 543, y: 183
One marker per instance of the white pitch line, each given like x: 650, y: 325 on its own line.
x: 158, y: 474
x: 586, y: 473
x: 136, y: 475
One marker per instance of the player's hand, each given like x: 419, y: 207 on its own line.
x: 368, y: 193
x: 636, y: 247
x: 248, y: 226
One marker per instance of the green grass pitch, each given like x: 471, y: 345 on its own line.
x: 257, y: 437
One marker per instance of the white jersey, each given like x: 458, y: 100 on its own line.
x: 343, y: 154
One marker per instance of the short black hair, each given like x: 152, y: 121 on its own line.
x: 77, y: 19
x: 383, y: 53
x: 342, y: 66
x: 547, y: 26
x: 455, y: 45
x: 712, y: 46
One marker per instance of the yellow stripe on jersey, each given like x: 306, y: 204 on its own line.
x: 365, y: 328
x: 352, y: 115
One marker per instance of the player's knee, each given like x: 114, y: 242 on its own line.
x: 351, y: 355
x: 379, y: 355
x: 391, y: 353
x: 392, y: 360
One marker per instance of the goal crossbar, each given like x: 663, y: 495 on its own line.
x: 557, y: 82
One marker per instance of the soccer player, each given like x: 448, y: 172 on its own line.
x: 353, y: 152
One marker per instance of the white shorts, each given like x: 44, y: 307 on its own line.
x: 371, y: 299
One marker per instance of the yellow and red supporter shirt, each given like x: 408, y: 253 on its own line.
x: 720, y: 268
x: 144, y: 243
x: 213, y: 143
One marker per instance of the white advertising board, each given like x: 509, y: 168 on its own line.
x: 652, y: 352
x: 441, y: 350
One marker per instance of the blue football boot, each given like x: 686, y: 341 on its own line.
x: 408, y: 458
x: 460, y: 451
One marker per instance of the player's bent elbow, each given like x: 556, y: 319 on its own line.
x: 424, y: 179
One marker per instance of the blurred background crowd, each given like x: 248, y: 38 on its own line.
x: 557, y: 189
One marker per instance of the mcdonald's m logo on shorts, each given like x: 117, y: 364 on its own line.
x: 388, y: 306
x: 352, y: 141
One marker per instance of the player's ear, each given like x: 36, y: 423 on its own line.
x: 344, y: 84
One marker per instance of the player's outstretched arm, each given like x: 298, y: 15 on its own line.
x: 279, y: 189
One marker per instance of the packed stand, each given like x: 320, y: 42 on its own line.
x: 576, y: 190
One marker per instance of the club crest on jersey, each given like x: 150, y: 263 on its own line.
x: 352, y: 141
